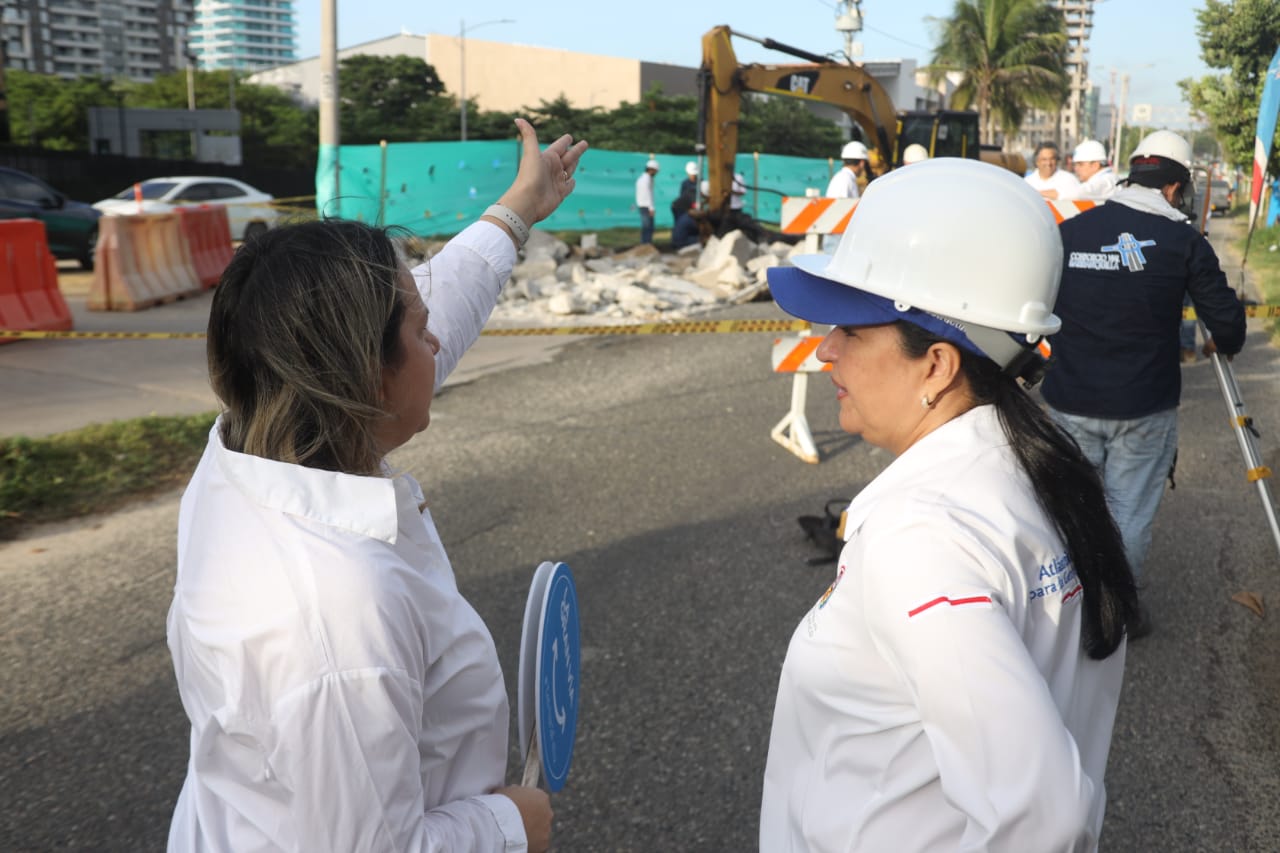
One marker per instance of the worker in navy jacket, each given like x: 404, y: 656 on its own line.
x: 1116, y: 380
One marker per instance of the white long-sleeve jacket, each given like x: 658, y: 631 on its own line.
x: 342, y: 694
x: 937, y: 697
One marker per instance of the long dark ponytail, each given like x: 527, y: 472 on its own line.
x: 1067, y: 486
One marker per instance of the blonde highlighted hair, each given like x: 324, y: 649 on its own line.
x: 304, y: 319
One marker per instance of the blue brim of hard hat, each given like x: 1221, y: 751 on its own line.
x: 822, y: 300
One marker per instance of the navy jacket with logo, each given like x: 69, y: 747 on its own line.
x: 1123, y: 278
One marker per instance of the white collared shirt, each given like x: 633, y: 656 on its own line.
x: 342, y: 694
x: 1067, y: 185
x: 937, y: 697
x: 644, y: 190
x: 843, y: 184
x: 1100, y: 186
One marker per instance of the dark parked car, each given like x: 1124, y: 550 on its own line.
x: 71, y: 226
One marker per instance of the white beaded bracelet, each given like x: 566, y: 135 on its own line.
x: 512, y: 220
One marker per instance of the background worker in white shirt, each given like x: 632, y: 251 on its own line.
x: 844, y: 183
x: 342, y: 694
x: 1089, y: 162
x: 1047, y: 179
x: 956, y: 686
x: 644, y: 200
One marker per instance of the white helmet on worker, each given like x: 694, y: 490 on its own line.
x: 691, y: 169
x: 652, y: 164
x: 1161, y: 158
x: 854, y: 151
x: 914, y: 153
x: 986, y: 281
x: 1089, y: 151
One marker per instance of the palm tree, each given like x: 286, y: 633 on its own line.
x: 1012, y: 55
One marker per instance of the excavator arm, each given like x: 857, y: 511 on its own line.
x: 723, y: 81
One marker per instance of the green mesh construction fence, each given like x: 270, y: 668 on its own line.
x: 441, y: 187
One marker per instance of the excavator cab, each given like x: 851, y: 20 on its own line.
x: 950, y: 133
x: 943, y: 133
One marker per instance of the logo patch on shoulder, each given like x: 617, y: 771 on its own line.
x: 1127, y: 249
x: 1130, y: 250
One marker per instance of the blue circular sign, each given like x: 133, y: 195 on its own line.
x: 559, y: 676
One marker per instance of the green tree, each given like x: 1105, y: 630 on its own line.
x: 656, y: 123
x: 1240, y: 37
x: 274, y: 129
x: 396, y: 98
x: 1012, y: 55
x: 781, y: 125
x: 51, y: 112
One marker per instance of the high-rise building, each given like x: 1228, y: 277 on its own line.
x: 1073, y: 122
x: 243, y: 34
x: 134, y: 39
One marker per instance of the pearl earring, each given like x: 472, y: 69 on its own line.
x: 925, y: 401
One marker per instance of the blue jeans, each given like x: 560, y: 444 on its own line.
x: 1134, y: 457
x: 646, y: 225
x: 684, y: 232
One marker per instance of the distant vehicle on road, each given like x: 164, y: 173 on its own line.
x: 249, y: 210
x: 1220, y: 196
x: 70, y: 226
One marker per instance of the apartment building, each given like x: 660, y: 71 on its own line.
x: 133, y: 39
x: 1076, y: 119
x: 246, y: 35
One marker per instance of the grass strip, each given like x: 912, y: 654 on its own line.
x: 96, y: 468
x: 1263, y: 266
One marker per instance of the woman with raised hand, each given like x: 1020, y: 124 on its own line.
x: 342, y: 694
x: 956, y: 686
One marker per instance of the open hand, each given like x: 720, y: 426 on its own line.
x: 545, y: 177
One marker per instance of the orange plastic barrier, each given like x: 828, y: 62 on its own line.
x: 141, y: 261
x: 29, y: 294
x: 208, y: 234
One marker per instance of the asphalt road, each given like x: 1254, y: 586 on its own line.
x: 646, y: 464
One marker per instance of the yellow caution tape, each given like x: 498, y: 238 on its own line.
x: 16, y: 333
x: 686, y: 327
x: 689, y: 327
x: 1249, y: 311
x: 1256, y: 474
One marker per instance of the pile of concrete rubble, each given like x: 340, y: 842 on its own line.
x: 556, y: 285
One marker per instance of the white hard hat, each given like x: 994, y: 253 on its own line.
x: 691, y: 169
x: 652, y: 164
x: 705, y: 187
x: 914, y: 153
x: 1164, y: 143
x: 906, y: 256
x: 1089, y: 151
x: 854, y: 151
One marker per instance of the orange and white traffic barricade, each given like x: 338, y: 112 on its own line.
x: 797, y: 355
x: 1066, y: 209
x: 815, y: 217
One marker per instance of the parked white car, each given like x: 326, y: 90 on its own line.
x: 249, y: 210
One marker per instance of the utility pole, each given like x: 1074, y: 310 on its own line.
x: 191, y: 104
x: 849, y: 24
x: 1124, y: 94
x: 4, y: 92
x: 329, y: 86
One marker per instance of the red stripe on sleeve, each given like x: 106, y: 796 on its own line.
x: 954, y: 602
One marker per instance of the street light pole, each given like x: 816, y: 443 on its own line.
x: 462, y: 58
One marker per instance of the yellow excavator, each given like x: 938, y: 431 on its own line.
x: 887, y: 131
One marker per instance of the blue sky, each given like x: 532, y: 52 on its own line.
x: 1155, y: 43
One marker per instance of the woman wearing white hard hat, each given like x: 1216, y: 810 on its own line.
x: 956, y: 685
